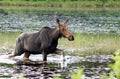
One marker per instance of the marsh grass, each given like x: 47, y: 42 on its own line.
x: 83, y: 43
x: 93, y: 43
x: 7, y: 41
x: 64, y: 5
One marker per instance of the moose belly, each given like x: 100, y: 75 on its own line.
x: 33, y: 50
x: 37, y: 50
x: 52, y: 49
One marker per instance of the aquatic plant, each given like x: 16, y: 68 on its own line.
x: 78, y: 75
x: 116, y: 66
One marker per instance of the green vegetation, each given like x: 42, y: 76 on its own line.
x: 8, y: 38
x: 92, y: 43
x: 82, y: 45
x: 116, y: 65
x: 78, y: 75
x: 115, y: 72
x: 5, y: 76
x: 62, y: 4
x: 7, y: 65
x: 7, y: 41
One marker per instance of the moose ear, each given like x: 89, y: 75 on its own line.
x: 58, y: 21
x: 66, y: 21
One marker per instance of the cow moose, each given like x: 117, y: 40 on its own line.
x: 42, y: 42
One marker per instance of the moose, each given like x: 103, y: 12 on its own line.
x: 42, y: 42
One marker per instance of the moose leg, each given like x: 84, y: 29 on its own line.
x: 26, y: 56
x: 61, y: 52
x: 44, y: 58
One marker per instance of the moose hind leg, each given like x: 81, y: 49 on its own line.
x: 44, y: 58
x: 26, y: 59
x: 26, y: 56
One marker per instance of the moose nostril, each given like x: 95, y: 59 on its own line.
x: 71, y: 38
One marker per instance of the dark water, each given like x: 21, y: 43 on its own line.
x: 95, y: 66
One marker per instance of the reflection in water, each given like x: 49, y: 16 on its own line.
x: 94, y: 67
x: 63, y: 62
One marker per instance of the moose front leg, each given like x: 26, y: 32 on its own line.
x: 60, y: 52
